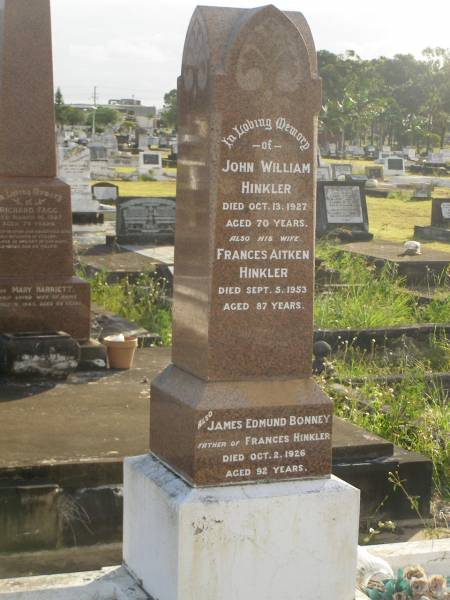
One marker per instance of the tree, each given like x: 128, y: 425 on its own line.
x: 169, y: 113
x: 59, y: 107
x: 401, y: 99
x: 65, y: 114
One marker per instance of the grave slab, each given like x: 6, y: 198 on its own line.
x: 241, y: 542
x: 420, y: 268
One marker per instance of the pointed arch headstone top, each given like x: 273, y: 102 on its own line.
x: 273, y: 40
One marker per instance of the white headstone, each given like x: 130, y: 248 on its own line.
x: 74, y: 168
x: 445, y: 208
x: 150, y: 162
x: 394, y: 165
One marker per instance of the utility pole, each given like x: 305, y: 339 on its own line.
x: 95, y: 108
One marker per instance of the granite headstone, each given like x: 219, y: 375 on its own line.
x: 341, y: 204
x: 238, y: 404
x: 145, y: 220
x: 38, y: 290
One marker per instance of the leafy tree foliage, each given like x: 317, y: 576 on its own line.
x: 67, y: 115
x: 169, y: 111
x: 398, y: 100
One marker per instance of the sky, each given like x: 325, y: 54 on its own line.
x: 133, y: 48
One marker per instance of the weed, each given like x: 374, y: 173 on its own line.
x: 142, y: 302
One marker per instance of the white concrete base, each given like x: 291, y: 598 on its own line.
x: 293, y: 540
x: 113, y: 583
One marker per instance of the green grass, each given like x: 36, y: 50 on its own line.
x: 372, y: 299
x: 413, y: 414
x: 153, y: 189
x: 399, y: 358
x: 393, y: 219
x: 143, y: 302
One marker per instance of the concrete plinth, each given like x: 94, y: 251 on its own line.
x: 293, y: 540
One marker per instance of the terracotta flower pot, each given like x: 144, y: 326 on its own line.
x: 121, y: 353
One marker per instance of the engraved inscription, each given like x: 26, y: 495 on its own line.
x: 264, y: 216
x: 343, y: 204
x: 268, y: 444
x: 32, y: 219
x: 38, y: 296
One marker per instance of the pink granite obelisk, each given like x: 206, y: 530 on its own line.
x: 239, y: 404
x: 38, y: 290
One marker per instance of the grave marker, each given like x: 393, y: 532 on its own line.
x: 238, y: 404
x: 150, y: 162
x: 74, y: 168
x: 341, y: 204
x: 324, y: 173
x: 422, y: 191
x: 244, y: 256
x: 38, y: 291
x: 394, y: 165
x: 341, y: 170
x: 104, y: 190
x: 375, y: 172
x: 145, y: 220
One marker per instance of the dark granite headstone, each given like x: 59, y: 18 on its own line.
x: 239, y: 404
x: 440, y: 213
x: 394, y: 165
x: 145, y: 220
x: 341, y: 204
x: 98, y: 152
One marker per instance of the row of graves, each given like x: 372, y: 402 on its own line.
x: 248, y: 487
x: 341, y: 199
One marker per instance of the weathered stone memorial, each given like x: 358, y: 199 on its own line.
x: 375, y: 172
x: 74, y: 168
x: 104, y: 190
x: 324, y: 173
x: 238, y: 405
x: 145, y: 220
x: 339, y: 170
x: 422, y: 191
x: 38, y: 292
x: 342, y: 204
x: 150, y: 163
x: 394, y: 165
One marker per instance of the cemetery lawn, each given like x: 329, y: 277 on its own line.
x: 152, y: 189
x: 393, y: 219
x: 372, y: 299
x: 412, y: 413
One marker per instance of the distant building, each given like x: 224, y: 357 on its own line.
x: 144, y: 115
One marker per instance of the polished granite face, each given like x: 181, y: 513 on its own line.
x: 27, y: 142
x: 249, y: 96
x: 214, y: 433
x: 37, y: 289
x: 238, y: 404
